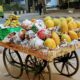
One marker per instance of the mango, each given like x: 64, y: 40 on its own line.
x: 73, y: 35
x: 78, y: 35
x: 69, y: 19
x: 56, y: 38
x: 47, y: 18
x: 50, y: 43
x: 49, y: 24
x: 78, y: 24
x: 64, y: 27
x: 62, y: 19
x: 72, y: 25
x: 57, y: 22
x: 65, y: 37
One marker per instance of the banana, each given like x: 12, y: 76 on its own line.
x: 7, y: 23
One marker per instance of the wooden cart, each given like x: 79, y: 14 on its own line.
x: 36, y: 61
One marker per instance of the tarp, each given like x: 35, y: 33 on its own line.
x: 4, y: 32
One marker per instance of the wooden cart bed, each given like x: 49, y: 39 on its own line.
x: 49, y: 55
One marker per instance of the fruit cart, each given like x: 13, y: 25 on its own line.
x: 43, y: 46
x: 36, y: 61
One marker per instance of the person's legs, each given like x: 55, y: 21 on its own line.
x: 40, y: 11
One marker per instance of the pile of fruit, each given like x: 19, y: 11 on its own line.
x: 48, y: 33
x: 12, y: 21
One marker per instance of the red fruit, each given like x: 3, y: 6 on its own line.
x: 41, y: 34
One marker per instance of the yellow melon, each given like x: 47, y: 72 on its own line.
x: 49, y: 42
x: 64, y: 27
x: 56, y: 38
x: 73, y: 35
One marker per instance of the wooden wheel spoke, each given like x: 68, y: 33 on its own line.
x: 34, y: 62
x: 29, y: 61
x: 8, y: 59
x: 62, y: 67
x: 72, y: 57
x: 30, y: 68
x: 71, y: 54
x: 71, y: 65
x: 67, y: 68
x: 57, y: 61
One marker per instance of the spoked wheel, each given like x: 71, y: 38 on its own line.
x: 13, y: 63
x: 35, y: 68
x: 67, y: 65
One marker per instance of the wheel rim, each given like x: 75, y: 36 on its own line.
x: 13, y: 63
x: 67, y: 65
x: 34, y: 67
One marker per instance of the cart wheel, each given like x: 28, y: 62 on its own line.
x: 34, y: 68
x: 67, y: 65
x: 13, y: 63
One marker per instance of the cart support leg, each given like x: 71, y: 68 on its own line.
x: 48, y: 66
